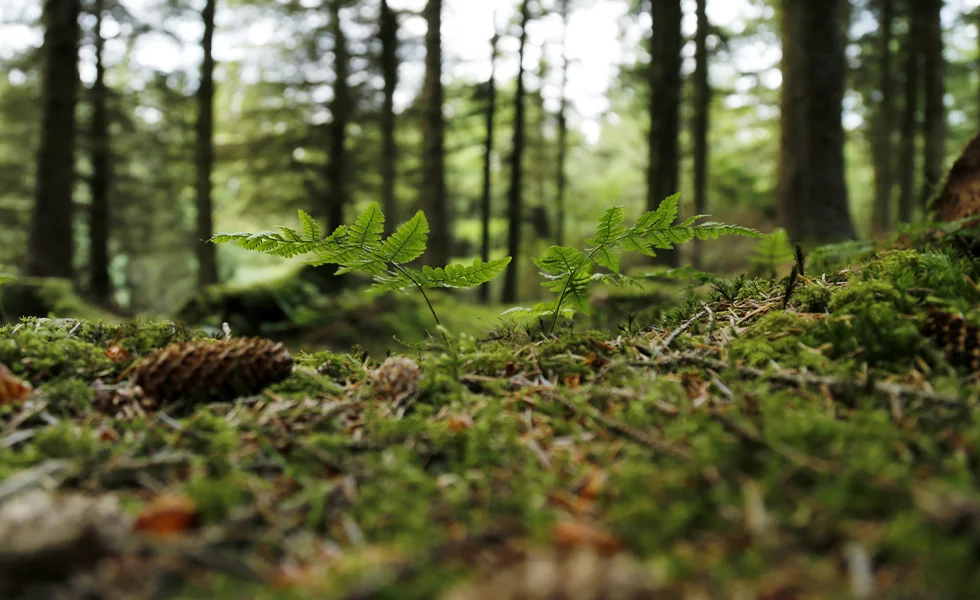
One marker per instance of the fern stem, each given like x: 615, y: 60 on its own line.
x: 421, y: 291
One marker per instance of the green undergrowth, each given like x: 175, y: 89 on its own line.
x: 747, y: 443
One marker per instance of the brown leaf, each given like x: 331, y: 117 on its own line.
x: 12, y: 388
x: 581, y: 534
x: 116, y: 353
x: 168, y: 514
x: 460, y: 422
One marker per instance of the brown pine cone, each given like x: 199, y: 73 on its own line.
x: 213, y: 370
x: 957, y: 337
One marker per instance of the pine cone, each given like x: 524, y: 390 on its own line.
x: 957, y: 337
x: 397, y: 378
x: 213, y: 370
x: 578, y: 575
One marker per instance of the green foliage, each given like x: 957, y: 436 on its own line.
x: 570, y: 272
x: 360, y: 247
x: 771, y: 252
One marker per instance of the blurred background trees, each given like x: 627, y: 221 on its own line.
x: 131, y: 129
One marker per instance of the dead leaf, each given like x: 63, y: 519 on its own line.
x: 460, y: 422
x: 581, y: 534
x: 116, y: 353
x: 12, y: 388
x: 168, y: 514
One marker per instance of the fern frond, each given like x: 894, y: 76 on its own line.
x: 311, y: 229
x: 407, y: 242
x: 561, y: 260
x: 286, y: 244
x: 605, y: 250
x: 453, y: 276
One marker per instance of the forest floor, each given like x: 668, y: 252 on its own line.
x: 746, y: 444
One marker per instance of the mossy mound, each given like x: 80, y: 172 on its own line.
x: 749, y: 443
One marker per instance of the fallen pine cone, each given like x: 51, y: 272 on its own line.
x: 958, y: 338
x: 203, y: 370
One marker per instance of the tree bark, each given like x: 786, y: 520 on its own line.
x: 702, y: 105
x: 934, y: 113
x: 910, y: 110
x: 207, y: 260
x: 883, y: 146
x: 388, y: 32
x: 665, y: 94
x: 100, y: 288
x: 51, y: 239
x: 514, y: 197
x: 433, y: 197
x: 340, y: 113
x: 485, y: 200
x: 812, y: 189
x: 562, y: 131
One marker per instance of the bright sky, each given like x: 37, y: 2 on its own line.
x: 596, y: 42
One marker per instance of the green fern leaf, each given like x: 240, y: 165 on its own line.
x: 561, y: 260
x: 311, y: 229
x: 408, y: 242
x: 605, y: 250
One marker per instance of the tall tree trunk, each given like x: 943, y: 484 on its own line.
x: 812, y: 189
x: 562, y: 130
x: 910, y: 111
x: 934, y: 113
x: 665, y: 94
x: 882, y: 146
x: 388, y: 32
x: 51, y: 239
x: 514, y: 202
x: 702, y: 105
x: 207, y: 260
x: 100, y: 288
x: 433, y: 141
x: 485, y: 199
x: 340, y: 114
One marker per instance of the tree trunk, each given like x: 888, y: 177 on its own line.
x: 562, y: 131
x: 51, y: 239
x: 665, y: 94
x: 934, y: 113
x: 340, y: 113
x: 514, y: 212
x: 388, y: 32
x: 702, y: 105
x: 883, y: 146
x: 812, y: 189
x: 100, y: 288
x: 433, y: 142
x: 485, y: 199
x: 207, y: 269
x: 910, y: 110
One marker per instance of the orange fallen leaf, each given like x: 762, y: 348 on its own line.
x: 581, y: 534
x: 116, y: 353
x: 594, y: 484
x: 12, y: 388
x: 460, y: 422
x: 168, y: 514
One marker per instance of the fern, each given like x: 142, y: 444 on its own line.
x: 570, y: 272
x: 360, y: 247
x: 772, y: 251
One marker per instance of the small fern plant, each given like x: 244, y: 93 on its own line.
x: 570, y: 272
x: 772, y: 252
x: 360, y: 247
